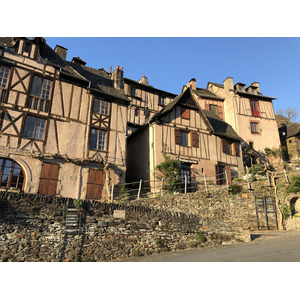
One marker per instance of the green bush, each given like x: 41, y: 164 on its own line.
x: 286, y: 211
x: 170, y: 169
x: 235, y: 189
x: 258, y: 169
x: 294, y: 185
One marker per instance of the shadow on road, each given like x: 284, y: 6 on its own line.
x: 255, y: 236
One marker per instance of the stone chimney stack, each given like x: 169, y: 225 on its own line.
x: 192, y: 84
x: 256, y: 84
x: 61, y: 51
x: 144, y: 80
x: 117, y: 77
x: 228, y: 84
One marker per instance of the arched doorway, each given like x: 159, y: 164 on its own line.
x: 11, y: 174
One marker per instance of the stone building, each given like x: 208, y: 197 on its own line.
x: 200, y: 140
x: 290, y: 140
x: 62, y: 124
x: 249, y: 112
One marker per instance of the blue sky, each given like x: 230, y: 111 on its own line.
x: 169, y: 63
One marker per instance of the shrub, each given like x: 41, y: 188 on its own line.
x: 286, y: 211
x: 235, y: 189
x: 170, y: 169
x: 258, y: 169
x: 294, y: 185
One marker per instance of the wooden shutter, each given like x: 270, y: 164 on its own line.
x: 237, y: 149
x: 177, y: 136
x: 48, y: 179
x: 94, y: 184
x: 220, y: 112
x: 228, y: 172
x: 224, y: 146
x: 195, y: 140
x: 185, y: 113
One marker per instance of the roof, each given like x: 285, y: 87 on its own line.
x: 101, y: 81
x: 221, y: 128
x: 245, y: 94
x: 149, y: 87
x: 292, y: 129
x: 216, y: 84
x: 204, y: 93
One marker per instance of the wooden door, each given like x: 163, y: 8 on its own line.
x: 95, y: 184
x: 48, y: 179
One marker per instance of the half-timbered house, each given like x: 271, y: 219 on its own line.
x: 145, y: 101
x: 249, y: 112
x: 200, y: 140
x: 62, y: 124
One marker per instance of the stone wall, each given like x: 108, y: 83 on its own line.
x: 32, y: 226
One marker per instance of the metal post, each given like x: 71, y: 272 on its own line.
x: 140, y: 187
x: 266, y: 212
x: 206, y: 189
x: 162, y: 185
x: 185, y: 183
x: 256, y: 213
x: 112, y: 193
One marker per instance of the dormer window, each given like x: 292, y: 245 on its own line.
x: 27, y: 48
x: 161, y: 100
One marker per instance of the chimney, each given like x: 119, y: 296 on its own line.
x: 144, y: 80
x: 61, y: 51
x: 117, y: 77
x: 228, y: 84
x: 192, y: 84
x: 255, y: 84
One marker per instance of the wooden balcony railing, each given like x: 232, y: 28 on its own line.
x: 38, y: 104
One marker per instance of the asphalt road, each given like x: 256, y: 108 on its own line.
x: 270, y: 246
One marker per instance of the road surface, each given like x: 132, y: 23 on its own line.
x: 272, y: 246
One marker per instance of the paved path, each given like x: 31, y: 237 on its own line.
x: 269, y: 246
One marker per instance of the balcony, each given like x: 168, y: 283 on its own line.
x: 38, y: 104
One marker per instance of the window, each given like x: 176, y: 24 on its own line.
x: 254, y: 108
x: 39, y: 98
x: 34, y: 127
x: 4, y: 72
x: 11, y: 174
x: 27, y: 47
x: 254, y: 127
x: 227, y: 147
x: 251, y: 145
x: 185, y: 113
x: 136, y: 112
x: 161, y: 100
x: 184, y: 138
x: 213, y: 108
x: 185, y: 172
x: 100, y: 106
x: 133, y: 92
x: 242, y: 88
x: 98, y: 139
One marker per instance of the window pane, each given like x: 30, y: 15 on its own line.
x: 29, y: 126
x: 4, y: 71
x: 36, y: 86
x: 102, y: 138
x: 93, y: 140
x: 96, y: 105
x: 40, y: 127
x: 104, y: 108
x: 46, y: 89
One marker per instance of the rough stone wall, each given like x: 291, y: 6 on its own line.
x: 30, y: 227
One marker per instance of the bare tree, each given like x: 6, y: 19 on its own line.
x: 289, y: 115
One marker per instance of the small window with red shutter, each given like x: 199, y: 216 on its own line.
x: 185, y: 113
